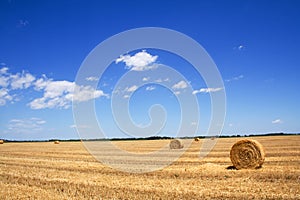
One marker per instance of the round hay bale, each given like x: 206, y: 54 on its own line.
x: 1, y: 142
x: 176, y: 144
x: 247, y: 154
x: 196, y: 139
x: 56, y: 142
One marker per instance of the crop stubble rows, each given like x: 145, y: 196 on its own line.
x: 67, y: 171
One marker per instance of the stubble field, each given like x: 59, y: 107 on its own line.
x: 43, y: 170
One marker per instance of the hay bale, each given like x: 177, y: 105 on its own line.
x: 1, y: 142
x: 56, y: 142
x: 196, y: 139
x: 176, y: 144
x: 247, y: 154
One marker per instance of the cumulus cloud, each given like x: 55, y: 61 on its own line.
x: 236, y: 78
x: 207, y: 90
x: 60, y: 94
x: 56, y: 94
x: 86, y: 93
x: 10, y: 82
x: 26, y: 125
x: 4, y: 81
x: 3, y: 70
x: 21, y: 80
x: 277, y: 121
x: 141, y: 61
x: 4, y: 96
x: 180, y: 85
x: 58, y: 88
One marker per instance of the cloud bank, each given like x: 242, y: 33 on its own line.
x: 55, y: 94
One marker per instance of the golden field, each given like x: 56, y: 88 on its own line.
x: 44, y: 170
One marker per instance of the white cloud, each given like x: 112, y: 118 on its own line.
x: 25, y: 125
x: 58, y: 88
x: 144, y: 68
x: 60, y: 94
x: 131, y: 89
x: 177, y: 92
x: 3, y: 70
x: 9, y: 82
x: 150, y: 88
x: 236, y: 78
x: 21, y: 81
x: 92, y: 78
x: 56, y: 94
x: 146, y: 79
x: 239, y: 47
x: 41, y: 122
x: 207, y: 90
x: 141, y: 61
x: 126, y: 96
x: 4, y: 81
x: 180, y: 85
x: 79, y: 126
x: 193, y: 123
x: 57, y: 102
x: 277, y: 121
x: 85, y: 93
x: 162, y: 80
x: 159, y: 80
x: 41, y: 83
x: 15, y: 81
x: 4, y: 96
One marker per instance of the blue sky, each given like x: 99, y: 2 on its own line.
x: 255, y: 45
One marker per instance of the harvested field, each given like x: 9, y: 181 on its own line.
x: 67, y: 171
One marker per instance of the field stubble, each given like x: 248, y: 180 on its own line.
x: 42, y: 170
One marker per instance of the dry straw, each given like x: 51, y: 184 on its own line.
x: 56, y: 142
x: 176, y: 144
x: 197, y: 139
x: 247, y: 154
x: 1, y: 142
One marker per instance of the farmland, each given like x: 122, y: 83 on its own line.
x: 44, y: 170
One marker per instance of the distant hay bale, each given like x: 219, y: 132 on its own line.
x: 56, y: 142
x: 176, y: 144
x: 247, y: 154
x: 1, y: 142
x: 196, y: 139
